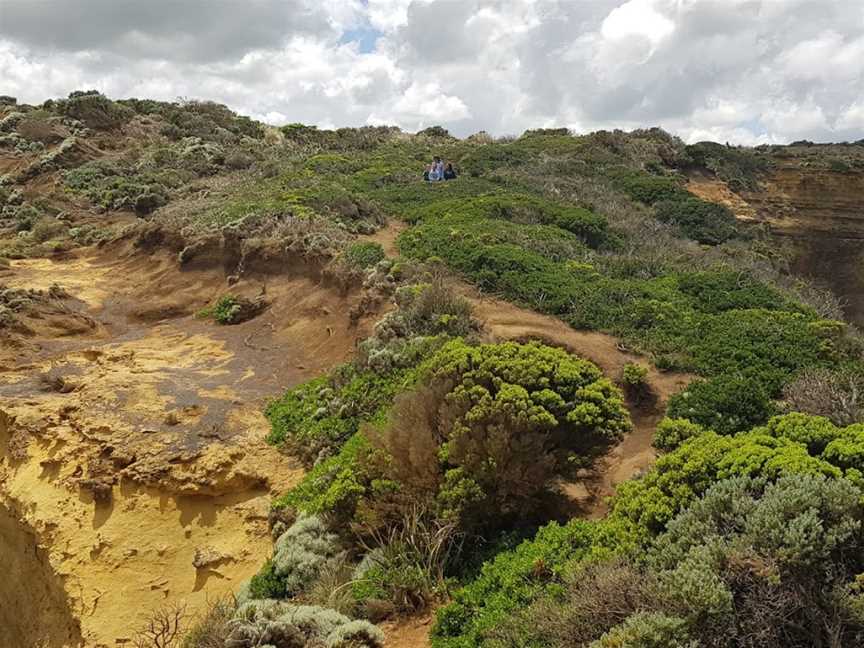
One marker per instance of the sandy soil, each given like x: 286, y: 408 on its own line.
x: 132, y: 442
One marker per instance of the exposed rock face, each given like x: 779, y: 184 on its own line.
x: 818, y: 211
x: 797, y: 201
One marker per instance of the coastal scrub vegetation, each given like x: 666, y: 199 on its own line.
x: 435, y: 458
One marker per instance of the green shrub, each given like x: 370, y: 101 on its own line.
x: 705, y: 222
x: 650, y: 189
x: 734, y: 563
x: 672, y: 432
x: 648, y: 630
x: 334, y: 485
x: 510, y: 581
x: 363, y: 255
x: 726, y: 404
x: 48, y: 228
x: 231, y: 309
x: 490, y: 427
x: 300, y: 555
x: 720, y: 291
x: 646, y: 505
x: 523, y: 209
x: 485, y: 159
x: 634, y: 378
x: 94, y: 109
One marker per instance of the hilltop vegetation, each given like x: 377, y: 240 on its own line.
x: 435, y: 458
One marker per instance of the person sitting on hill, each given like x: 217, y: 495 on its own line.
x: 449, y: 172
x: 427, y: 173
x: 437, y: 171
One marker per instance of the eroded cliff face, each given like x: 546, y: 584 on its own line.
x: 817, y: 211
x: 36, y: 610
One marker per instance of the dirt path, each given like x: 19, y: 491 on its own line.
x: 387, y: 236
x: 133, y: 442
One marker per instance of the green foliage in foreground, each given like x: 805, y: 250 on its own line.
x: 511, y: 580
x: 490, y: 427
x: 642, y: 508
x: 745, y: 564
x: 363, y: 255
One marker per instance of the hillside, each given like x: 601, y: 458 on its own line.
x: 267, y: 386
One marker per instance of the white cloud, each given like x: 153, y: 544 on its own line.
x: 636, y: 18
x: 739, y: 70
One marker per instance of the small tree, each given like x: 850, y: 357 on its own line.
x: 492, y: 426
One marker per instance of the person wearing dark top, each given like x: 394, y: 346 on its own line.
x: 449, y: 172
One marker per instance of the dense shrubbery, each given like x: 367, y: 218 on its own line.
x: 523, y: 209
x: 511, y: 580
x: 492, y: 426
x: 739, y: 167
x: 477, y: 443
x: 810, y: 451
x: 702, y: 221
x: 652, y: 189
x: 93, y: 109
x: 461, y: 439
x: 729, y: 570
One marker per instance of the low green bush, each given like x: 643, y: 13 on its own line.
x: 524, y: 209
x: 726, y: 404
x: 705, y: 222
x: 334, y: 486
x: 650, y: 189
x: 672, y: 432
x: 363, y: 255
x: 301, y: 553
x: 648, y: 630
x: 511, y: 580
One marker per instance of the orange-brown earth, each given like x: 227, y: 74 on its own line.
x: 132, y: 435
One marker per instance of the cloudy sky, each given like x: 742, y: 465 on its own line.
x: 744, y: 71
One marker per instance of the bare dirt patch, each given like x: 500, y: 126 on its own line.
x: 135, y: 446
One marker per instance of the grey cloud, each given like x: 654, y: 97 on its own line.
x: 191, y: 30
x: 436, y: 32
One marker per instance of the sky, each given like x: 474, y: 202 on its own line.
x: 740, y: 71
